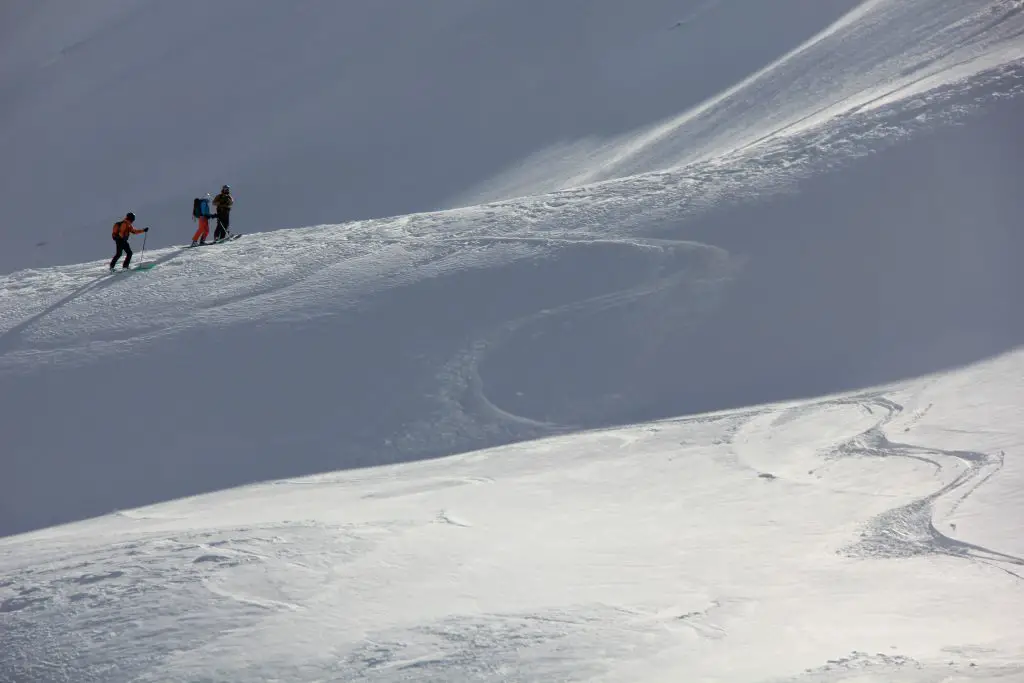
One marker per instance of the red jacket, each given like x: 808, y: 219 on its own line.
x: 124, y: 229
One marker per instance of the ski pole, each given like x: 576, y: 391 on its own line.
x: 144, y: 236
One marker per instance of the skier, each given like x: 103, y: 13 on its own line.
x: 124, y: 229
x: 223, y: 203
x: 201, y: 213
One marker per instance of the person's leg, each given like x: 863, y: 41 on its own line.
x: 220, y: 232
x: 202, y: 231
x: 128, y: 252
x: 120, y: 250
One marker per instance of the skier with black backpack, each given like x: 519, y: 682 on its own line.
x: 201, y: 213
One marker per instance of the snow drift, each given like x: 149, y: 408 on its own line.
x: 748, y: 367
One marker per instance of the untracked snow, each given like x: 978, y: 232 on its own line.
x: 731, y: 390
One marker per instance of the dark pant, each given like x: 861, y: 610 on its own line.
x: 223, y: 223
x: 122, y: 248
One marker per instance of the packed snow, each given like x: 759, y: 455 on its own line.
x: 697, y: 358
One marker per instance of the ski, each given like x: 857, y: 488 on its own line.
x: 141, y: 267
x: 230, y: 238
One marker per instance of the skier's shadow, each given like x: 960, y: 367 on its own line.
x: 9, y: 338
x: 169, y: 256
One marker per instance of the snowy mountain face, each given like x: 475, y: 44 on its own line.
x: 674, y: 341
x: 322, y: 112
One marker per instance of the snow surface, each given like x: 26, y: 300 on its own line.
x: 318, y: 111
x: 714, y: 373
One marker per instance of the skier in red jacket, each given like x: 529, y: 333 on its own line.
x: 124, y: 229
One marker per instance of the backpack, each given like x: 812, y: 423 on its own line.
x: 201, y: 208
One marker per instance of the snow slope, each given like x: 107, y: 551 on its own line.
x: 658, y: 552
x: 321, y: 112
x: 745, y: 407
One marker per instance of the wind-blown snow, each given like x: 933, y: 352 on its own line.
x: 727, y: 391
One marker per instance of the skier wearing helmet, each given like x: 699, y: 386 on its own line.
x: 223, y: 203
x: 124, y: 229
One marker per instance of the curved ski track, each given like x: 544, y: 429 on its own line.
x: 910, y: 529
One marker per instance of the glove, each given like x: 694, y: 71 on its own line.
x: 145, y: 230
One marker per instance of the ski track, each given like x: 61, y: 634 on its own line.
x: 908, y: 530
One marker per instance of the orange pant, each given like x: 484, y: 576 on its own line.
x: 203, y: 232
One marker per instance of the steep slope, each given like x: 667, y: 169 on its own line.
x: 818, y: 239
x: 324, y: 112
x: 746, y: 278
